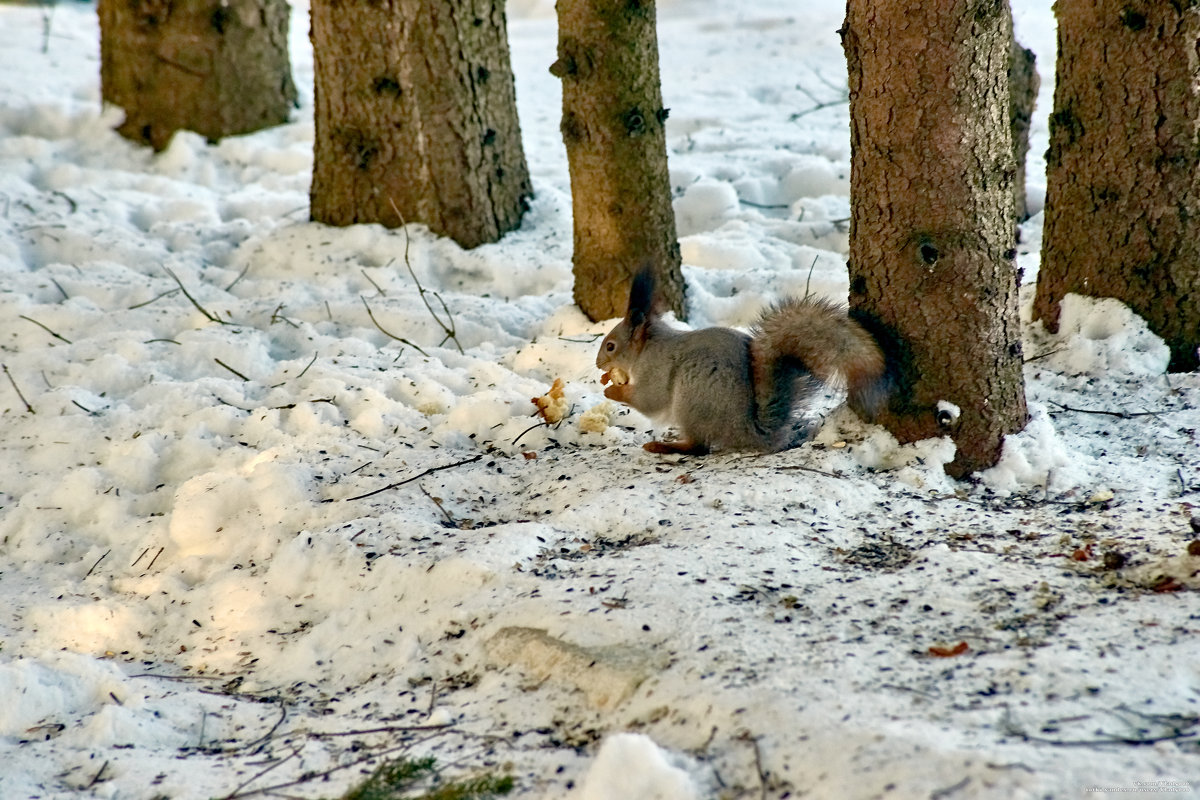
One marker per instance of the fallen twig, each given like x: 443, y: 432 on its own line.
x: 448, y: 326
x: 240, y: 275
x: 277, y: 316
x: 89, y: 411
x: 156, y: 555
x: 530, y: 428
x: 758, y: 763
x: 429, y: 471
x: 312, y: 776
x: 11, y: 380
x: 245, y: 783
x: 154, y: 299
x: 437, y: 502
x: 1102, y: 412
x: 96, y: 778
x: 98, y: 560
x: 266, y: 736
x: 207, y: 315
x: 1177, y: 733
x: 378, y: 288
x: 231, y: 369
x: 306, y: 366
x: 764, y: 206
x: 388, y: 333
x: 385, y: 729
x: 43, y: 327
x: 938, y: 794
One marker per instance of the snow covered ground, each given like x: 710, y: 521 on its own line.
x: 249, y: 544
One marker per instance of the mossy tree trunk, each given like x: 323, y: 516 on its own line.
x: 216, y: 67
x: 1123, y: 170
x: 613, y: 128
x: 416, y: 117
x: 932, y: 267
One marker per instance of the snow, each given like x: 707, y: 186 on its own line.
x: 253, y: 541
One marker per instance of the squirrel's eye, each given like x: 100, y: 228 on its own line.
x: 610, y: 346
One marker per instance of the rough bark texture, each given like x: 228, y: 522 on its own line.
x: 1123, y: 169
x: 612, y: 126
x: 416, y: 113
x: 216, y: 67
x: 932, y: 267
x: 1023, y: 85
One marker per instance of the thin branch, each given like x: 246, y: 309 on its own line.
x: 764, y: 206
x: 388, y: 333
x: 817, y: 107
x: 240, y: 275
x: 231, y: 369
x: 96, y: 777
x: 312, y: 776
x: 309, y: 364
x: 378, y: 288
x: 98, y: 560
x: 16, y: 389
x: 43, y: 327
x: 429, y: 471
x: 1177, y: 733
x: 1101, y: 412
x: 811, y: 469
x: 154, y: 299
x: 156, y: 555
x: 79, y: 405
x: 251, y: 780
x: 367, y: 731
x: 266, y: 736
x: 276, y: 316
x: 758, y: 763
x: 1128, y: 741
x: 1040, y: 356
x: 531, y: 428
x: 448, y: 326
x: 199, y: 307
x: 437, y: 502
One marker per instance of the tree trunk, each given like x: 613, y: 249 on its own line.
x: 1123, y: 169
x: 931, y: 264
x: 216, y: 67
x: 1023, y: 84
x: 416, y: 117
x: 612, y: 126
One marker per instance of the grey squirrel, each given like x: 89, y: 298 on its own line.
x: 726, y: 390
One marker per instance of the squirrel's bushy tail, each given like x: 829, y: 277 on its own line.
x: 797, y: 340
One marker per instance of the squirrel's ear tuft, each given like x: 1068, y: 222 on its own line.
x: 641, y: 297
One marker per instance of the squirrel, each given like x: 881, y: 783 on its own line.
x: 726, y: 390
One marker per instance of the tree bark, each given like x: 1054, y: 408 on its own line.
x: 1023, y: 84
x: 1123, y: 169
x: 416, y: 117
x: 931, y: 264
x: 216, y: 67
x: 613, y: 128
